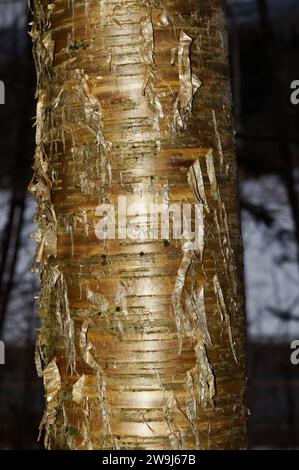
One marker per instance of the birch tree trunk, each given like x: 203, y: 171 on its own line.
x: 142, y: 344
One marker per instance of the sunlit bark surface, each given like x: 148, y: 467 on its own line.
x: 142, y: 341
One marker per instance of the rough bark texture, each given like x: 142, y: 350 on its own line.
x: 142, y: 344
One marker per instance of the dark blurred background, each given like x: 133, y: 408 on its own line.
x: 264, y: 53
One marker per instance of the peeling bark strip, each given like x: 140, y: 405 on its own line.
x: 142, y: 341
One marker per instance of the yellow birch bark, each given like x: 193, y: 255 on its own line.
x: 142, y: 344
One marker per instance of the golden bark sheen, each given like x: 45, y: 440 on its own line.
x: 142, y: 344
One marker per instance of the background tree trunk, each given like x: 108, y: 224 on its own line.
x: 142, y: 344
